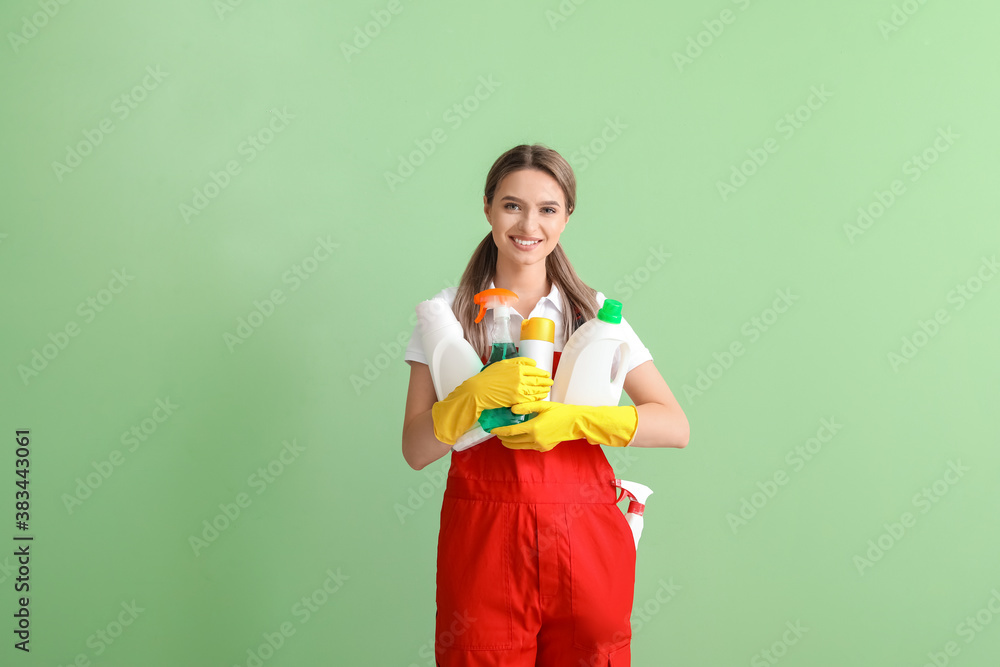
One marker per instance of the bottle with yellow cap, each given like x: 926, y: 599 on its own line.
x: 538, y: 342
x: 502, y: 346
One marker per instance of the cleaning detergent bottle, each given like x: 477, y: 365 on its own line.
x: 584, y: 376
x: 501, y: 347
x: 538, y: 341
x: 451, y: 359
x: 637, y: 494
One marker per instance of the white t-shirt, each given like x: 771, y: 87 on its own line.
x: 550, y: 306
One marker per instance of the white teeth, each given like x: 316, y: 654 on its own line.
x: 520, y: 242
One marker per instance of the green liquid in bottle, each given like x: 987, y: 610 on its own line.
x: 497, y: 417
x: 500, y: 352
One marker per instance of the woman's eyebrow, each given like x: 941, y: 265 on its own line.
x: 518, y: 200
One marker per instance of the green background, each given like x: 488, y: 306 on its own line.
x: 346, y: 509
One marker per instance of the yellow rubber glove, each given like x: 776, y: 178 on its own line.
x: 499, y: 385
x: 612, y: 425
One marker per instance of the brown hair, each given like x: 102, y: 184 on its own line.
x: 576, y: 295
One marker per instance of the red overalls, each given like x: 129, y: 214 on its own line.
x: 535, y: 563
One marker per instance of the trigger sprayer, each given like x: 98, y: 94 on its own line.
x: 637, y: 494
x: 499, y: 301
x: 501, y: 347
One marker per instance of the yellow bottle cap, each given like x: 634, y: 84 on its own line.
x: 538, y: 328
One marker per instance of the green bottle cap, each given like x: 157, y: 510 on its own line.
x: 611, y: 311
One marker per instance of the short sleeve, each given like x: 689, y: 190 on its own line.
x: 638, y: 353
x: 415, y: 350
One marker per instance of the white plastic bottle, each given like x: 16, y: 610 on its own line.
x: 584, y: 375
x: 451, y: 359
x: 538, y: 342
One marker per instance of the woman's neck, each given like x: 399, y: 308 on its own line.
x: 529, y: 282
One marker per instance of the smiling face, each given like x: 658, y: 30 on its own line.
x: 527, y: 215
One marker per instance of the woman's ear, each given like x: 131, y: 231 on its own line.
x: 486, y: 210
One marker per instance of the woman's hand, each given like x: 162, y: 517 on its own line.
x: 557, y: 422
x: 508, y: 382
x: 499, y: 385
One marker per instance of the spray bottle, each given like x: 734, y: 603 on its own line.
x: 637, y: 494
x: 501, y: 347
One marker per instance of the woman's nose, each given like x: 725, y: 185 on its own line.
x: 531, y: 219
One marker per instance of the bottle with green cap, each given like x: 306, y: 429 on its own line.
x: 594, y: 361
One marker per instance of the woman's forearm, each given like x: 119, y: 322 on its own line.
x: 420, y: 447
x: 659, y: 426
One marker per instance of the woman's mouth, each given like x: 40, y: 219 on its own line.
x: 524, y: 242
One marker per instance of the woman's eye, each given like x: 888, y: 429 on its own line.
x: 509, y: 204
x: 549, y: 209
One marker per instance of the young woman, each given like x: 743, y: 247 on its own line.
x: 536, y: 563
